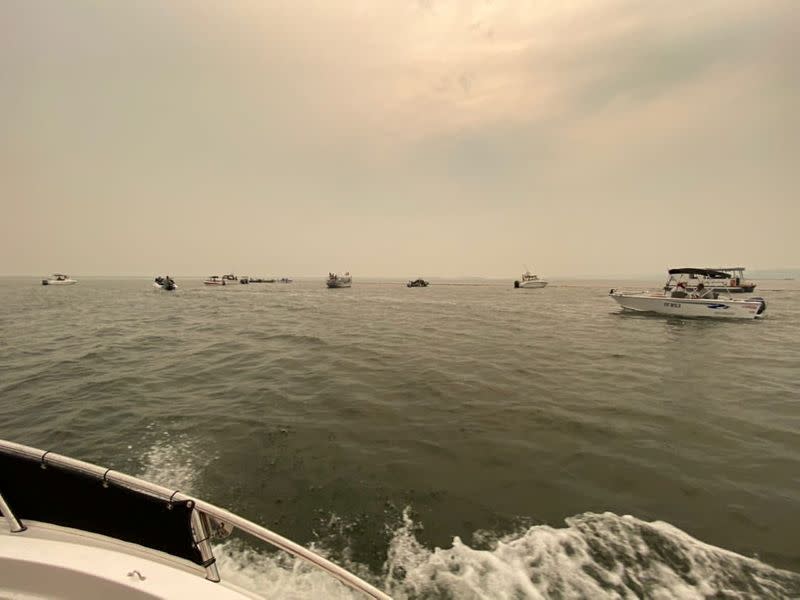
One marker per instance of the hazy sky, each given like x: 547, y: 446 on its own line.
x: 418, y: 137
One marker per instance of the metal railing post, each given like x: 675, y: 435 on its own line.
x: 14, y: 524
x: 202, y: 533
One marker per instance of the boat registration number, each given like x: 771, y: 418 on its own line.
x: 672, y: 304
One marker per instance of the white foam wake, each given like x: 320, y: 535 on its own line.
x: 171, y: 460
x: 595, y: 556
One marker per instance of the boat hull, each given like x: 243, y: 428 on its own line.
x: 532, y: 285
x: 80, y: 531
x: 338, y: 284
x: 160, y: 287
x: 57, y: 282
x: 692, y: 307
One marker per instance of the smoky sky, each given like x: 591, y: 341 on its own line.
x: 398, y: 138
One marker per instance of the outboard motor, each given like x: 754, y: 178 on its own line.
x: 761, y: 301
x: 516, y: 284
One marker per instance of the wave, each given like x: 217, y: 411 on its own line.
x: 594, y: 556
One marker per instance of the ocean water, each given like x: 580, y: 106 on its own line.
x: 458, y: 441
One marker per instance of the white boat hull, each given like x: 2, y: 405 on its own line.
x: 692, y: 307
x: 160, y: 287
x: 59, y: 282
x: 532, y: 285
x: 49, y: 561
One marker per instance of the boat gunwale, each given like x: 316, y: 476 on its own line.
x: 203, y: 509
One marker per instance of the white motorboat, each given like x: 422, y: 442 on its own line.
x: 214, y: 280
x: 529, y: 281
x: 166, y: 284
x: 728, y: 280
x: 701, y: 302
x: 73, y: 530
x: 339, y: 281
x: 59, y: 279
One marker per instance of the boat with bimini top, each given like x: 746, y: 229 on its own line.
x: 678, y: 300
x: 70, y: 529
x: 214, y: 280
x: 417, y: 283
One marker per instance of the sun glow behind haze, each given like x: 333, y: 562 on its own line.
x: 396, y: 138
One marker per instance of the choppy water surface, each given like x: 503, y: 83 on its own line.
x: 455, y: 441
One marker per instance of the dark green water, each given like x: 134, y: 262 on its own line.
x: 483, y: 412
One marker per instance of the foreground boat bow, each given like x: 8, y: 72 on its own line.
x: 76, y: 530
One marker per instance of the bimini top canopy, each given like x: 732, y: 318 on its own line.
x: 726, y: 268
x: 712, y: 273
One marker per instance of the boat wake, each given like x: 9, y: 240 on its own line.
x: 594, y: 556
x: 170, y: 461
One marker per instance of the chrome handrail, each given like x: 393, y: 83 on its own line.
x: 199, y: 524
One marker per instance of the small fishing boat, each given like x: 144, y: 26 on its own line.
x: 682, y: 302
x: 59, y: 279
x: 166, y: 284
x: 214, y: 280
x: 417, y: 283
x: 70, y: 529
x: 339, y: 281
x: 728, y: 280
x: 529, y: 281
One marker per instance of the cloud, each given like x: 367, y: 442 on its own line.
x: 588, y: 116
